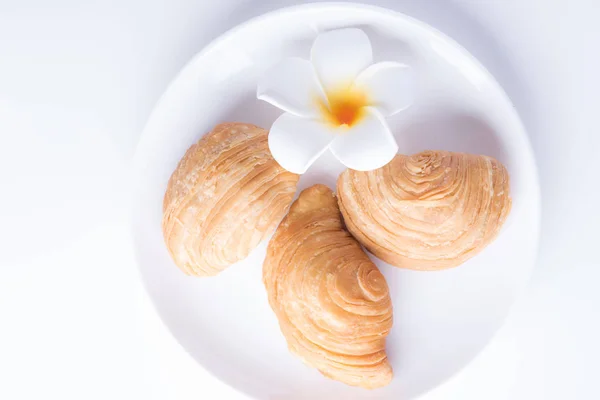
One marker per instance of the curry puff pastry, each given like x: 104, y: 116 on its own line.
x: 429, y: 211
x: 332, y: 303
x: 226, y: 195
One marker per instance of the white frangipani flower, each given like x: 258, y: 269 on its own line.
x: 337, y: 101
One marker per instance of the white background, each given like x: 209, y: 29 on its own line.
x: 78, y: 80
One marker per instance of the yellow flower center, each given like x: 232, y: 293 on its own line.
x: 346, y: 106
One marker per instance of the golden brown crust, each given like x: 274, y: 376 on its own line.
x: 332, y: 303
x: 429, y: 211
x: 225, y: 196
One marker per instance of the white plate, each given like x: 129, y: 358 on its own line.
x: 441, y: 319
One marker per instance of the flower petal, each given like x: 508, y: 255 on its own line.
x: 367, y: 145
x: 339, y: 56
x: 293, y: 86
x: 390, y: 86
x: 296, y: 142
